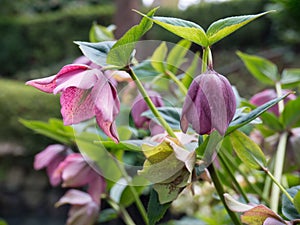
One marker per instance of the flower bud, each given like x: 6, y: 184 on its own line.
x: 268, y: 95
x: 209, y: 105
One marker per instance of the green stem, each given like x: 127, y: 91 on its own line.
x: 278, y: 168
x: 182, y: 88
x: 204, y: 60
x: 279, y: 186
x: 230, y: 173
x: 138, y: 202
x: 279, y: 158
x: 124, y: 214
x: 150, y: 104
x: 219, y: 188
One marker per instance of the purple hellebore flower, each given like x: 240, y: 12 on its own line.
x: 139, y: 106
x: 267, y: 95
x: 84, y: 211
x: 209, y: 105
x: 76, y: 172
x: 50, y: 158
x: 86, y: 92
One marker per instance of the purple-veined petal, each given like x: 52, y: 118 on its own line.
x: 77, y: 105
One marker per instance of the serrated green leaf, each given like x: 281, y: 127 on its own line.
x: 103, y: 161
x: 288, y: 208
x: 96, y: 52
x: 121, y: 53
x: 290, y: 115
x: 183, y: 28
x: 100, y: 33
x: 158, y: 57
x: 222, y: 28
x: 170, y: 114
x: 247, y: 150
x: 262, y: 69
x: 155, y: 210
x: 190, y: 73
x: 54, y: 129
x: 177, y: 54
x: 239, y: 122
x: 290, y: 78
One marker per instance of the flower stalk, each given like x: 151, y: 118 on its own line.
x: 149, y: 102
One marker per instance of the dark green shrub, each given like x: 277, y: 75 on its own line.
x: 20, y: 101
x: 33, y: 42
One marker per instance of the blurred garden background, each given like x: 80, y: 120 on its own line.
x: 37, y: 40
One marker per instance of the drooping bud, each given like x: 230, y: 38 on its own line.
x: 209, y: 105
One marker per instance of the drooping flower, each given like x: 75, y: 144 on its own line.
x: 84, y: 211
x: 139, y: 106
x: 76, y: 172
x: 267, y: 95
x: 86, y: 92
x: 50, y: 158
x: 209, y: 105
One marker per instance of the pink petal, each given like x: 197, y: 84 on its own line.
x: 46, y: 84
x: 45, y: 157
x: 76, y: 75
x: 77, y: 105
x: 74, y: 197
x: 97, y: 187
x: 83, y: 215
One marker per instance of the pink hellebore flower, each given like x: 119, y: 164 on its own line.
x: 50, y: 158
x: 84, y: 211
x: 267, y: 95
x: 209, y: 105
x: 86, y: 92
x: 139, y: 106
x: 76, y: 172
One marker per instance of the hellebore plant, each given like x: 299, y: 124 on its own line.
x: 177, y: 158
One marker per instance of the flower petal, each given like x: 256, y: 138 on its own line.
x: 77, y: 105
x: 74, y: 197
x: 47, y: 84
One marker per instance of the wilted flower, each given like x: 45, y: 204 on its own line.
x: 76, y: 172
x: 50, y: 158
x: 209, y: 105
x: 267, y: 95
x: 139, y: 106
x: 84, y: 211
x: 86, y: 92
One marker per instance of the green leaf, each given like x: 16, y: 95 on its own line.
x: 96, y: 52
x: 269, y: 119
x: 170, y: 114
x: 121, y: 53
x: 183, y: 28
x: 100, y: 33
x: 241, y: 121
x: 145, y: 69
x: 290, y: 78
x: 129, y: 145
x: 158, y: 57
x: 177, y: 54
x: 288, y: 208
x: 54, y: 129
x: 247, y: 150
x: 290, y: 115
x: 297, y: 201
x: 262, y: 69
x: 156, y: 210
x: 190, y: 73
x: 103, y: 161
x: 139, y: 184
x: 107, y: 215
x: 222, y: 28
